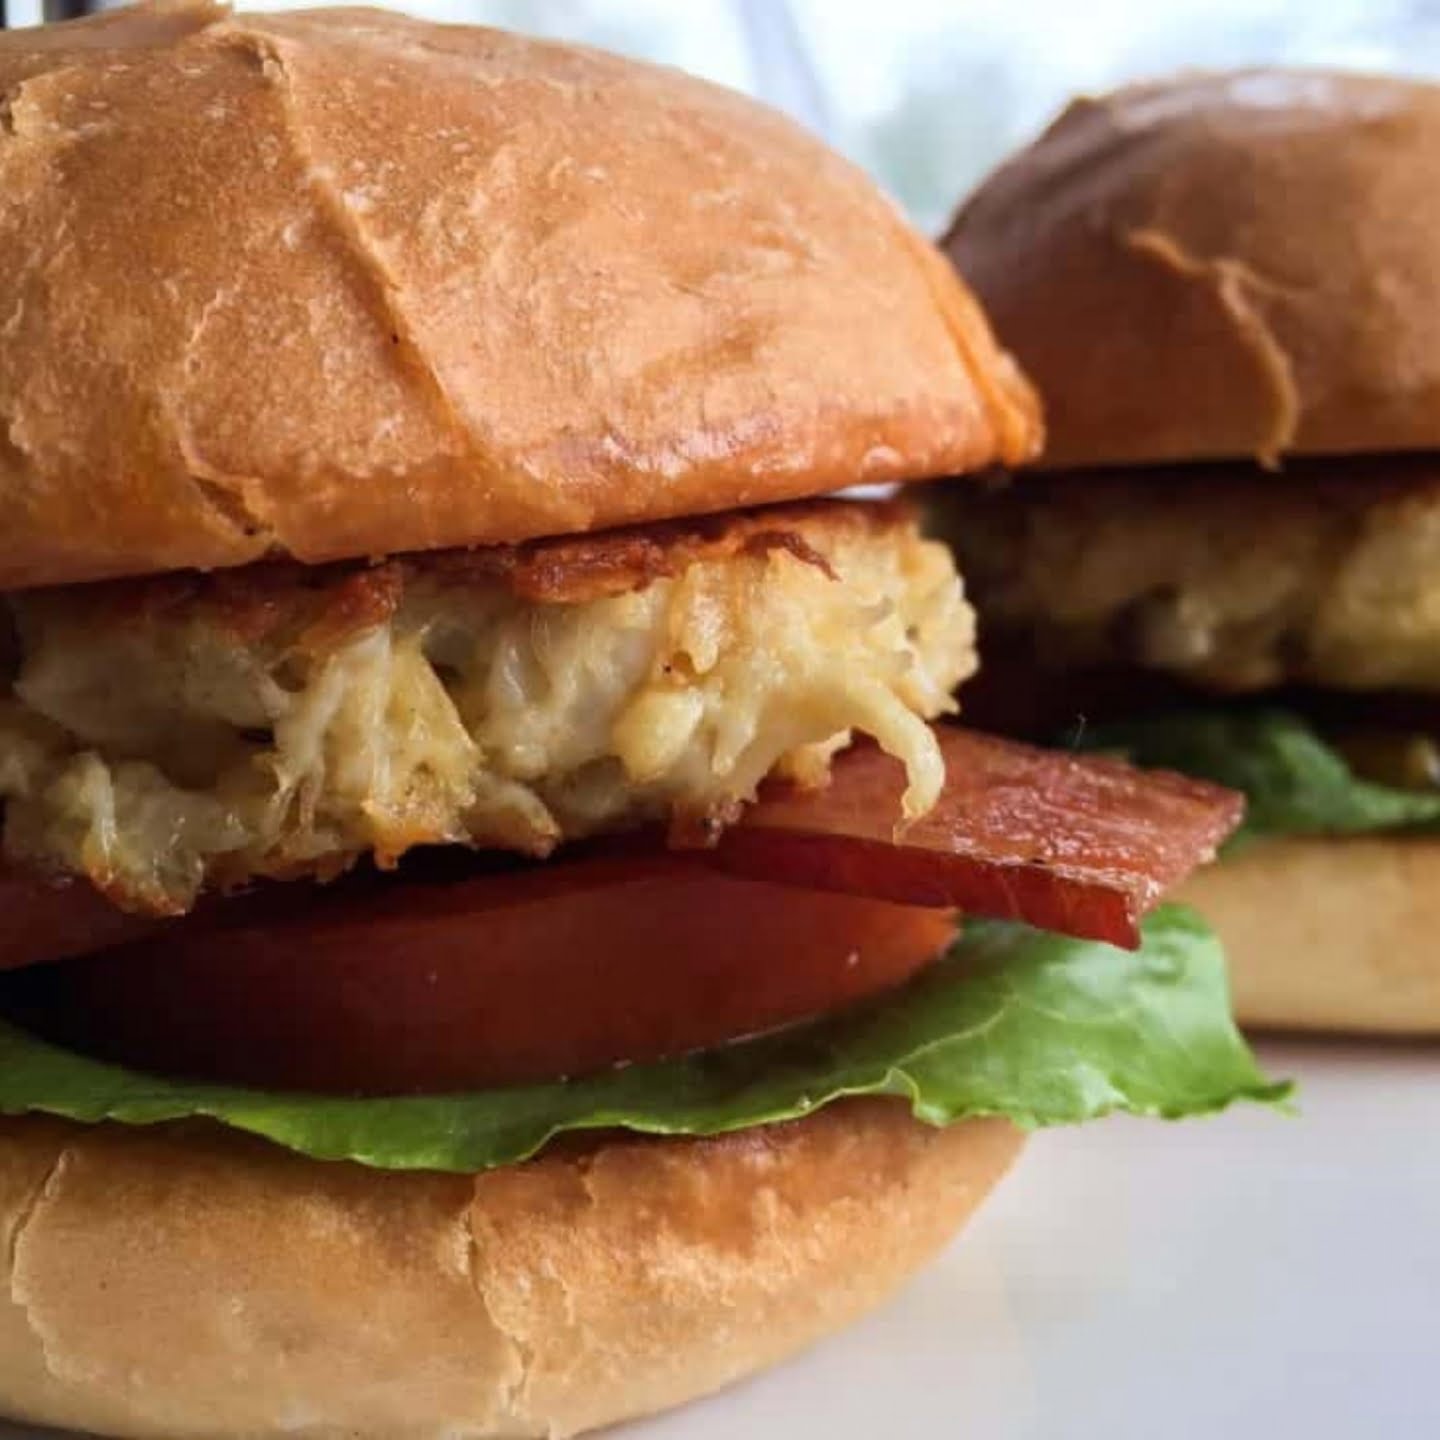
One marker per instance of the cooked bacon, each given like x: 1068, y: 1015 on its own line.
x: 326, y: 603
x: 1076, y: 844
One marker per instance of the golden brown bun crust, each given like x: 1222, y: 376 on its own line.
x: 342, y: 283
x: 1330, y: 934
x: 1225, y: 265
x: 193, y: 1283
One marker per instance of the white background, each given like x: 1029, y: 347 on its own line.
x: 929, y: 93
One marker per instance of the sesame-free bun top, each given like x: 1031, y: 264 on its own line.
x: 1222, y: 266
x: 342, y: 283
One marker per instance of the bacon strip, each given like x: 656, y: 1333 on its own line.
x: 1076, y: 844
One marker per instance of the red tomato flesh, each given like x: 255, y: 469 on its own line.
x: 43, y: 919
x: 495, y: 979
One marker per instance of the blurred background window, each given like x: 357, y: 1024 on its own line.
x: 928, y: 94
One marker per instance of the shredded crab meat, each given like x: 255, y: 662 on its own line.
x: 176, y: 747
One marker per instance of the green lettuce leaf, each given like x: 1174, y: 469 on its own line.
x: 1013, y: 1022
x: 1296, y: 784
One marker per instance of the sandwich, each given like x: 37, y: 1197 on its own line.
x: 1222, y: 286
x: 482, y: 869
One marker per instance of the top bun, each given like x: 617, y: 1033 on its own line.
x: 1222, y: 266
x: 341, y: 283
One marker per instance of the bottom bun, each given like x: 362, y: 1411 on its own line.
x: 1333, y: 934
x: 187, y: 1281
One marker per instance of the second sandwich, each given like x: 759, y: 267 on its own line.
x: 1226, y: 288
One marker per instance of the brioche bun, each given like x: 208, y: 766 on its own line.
x: 1330, y: 934
x: 185, y: 1281
x: 1243, y: 267
x: 342, y: 283
x: 1224, y: 266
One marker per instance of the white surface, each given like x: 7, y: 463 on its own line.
x: 1247, y: 1276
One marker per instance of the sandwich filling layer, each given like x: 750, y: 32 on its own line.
x: 1278, y: 634
x: 1326, y: 575
x: 168, y: 734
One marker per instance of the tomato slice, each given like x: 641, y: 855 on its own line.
x: 493, y: 979
x: 46, y: 919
